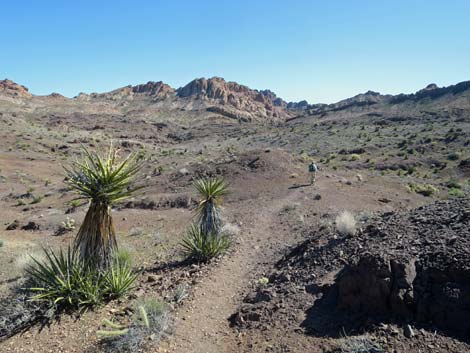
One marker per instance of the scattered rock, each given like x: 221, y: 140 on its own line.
x: 152, y: 278
x: 31, y: 226
x: 13, y: 225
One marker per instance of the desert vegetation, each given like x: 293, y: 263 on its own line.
x: 204, y: 239
x: 103, y: 180
x: 226, y: 226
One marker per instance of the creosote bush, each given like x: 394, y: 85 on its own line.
x: 346, y: 223
x: 423, y: 189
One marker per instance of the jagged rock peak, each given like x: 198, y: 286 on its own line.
x: 14, y: 89
x: 258, y: 103
x: 159, y: 89
x: 215, y: 88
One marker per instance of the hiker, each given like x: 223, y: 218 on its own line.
x: 312, y: 168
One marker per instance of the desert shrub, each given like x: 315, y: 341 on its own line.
x: 203, y: 247
x: 423, y: 189
x: 454, y: 156
x: 151, y: 321
x: 18, y: 313
x: 453, y: 184
x: 1, y: 243
x: 181, y: 293
x: 354, y: 157
x: 74, y: 203
x: 36, y: 199
x: 346, y: 223
x: 66, y: 226
x: 456, y: 192
x: 63, y: 279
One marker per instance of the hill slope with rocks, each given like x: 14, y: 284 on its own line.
x: 291, y: 281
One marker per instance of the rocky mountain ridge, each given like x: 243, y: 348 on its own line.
x: 234, y: 100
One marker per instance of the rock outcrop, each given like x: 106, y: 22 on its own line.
x: 10, y: 88
x: 249, y: 102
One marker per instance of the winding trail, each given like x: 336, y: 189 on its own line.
x: 202, y: 323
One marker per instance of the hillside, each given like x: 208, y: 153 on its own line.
x: 393, y: 162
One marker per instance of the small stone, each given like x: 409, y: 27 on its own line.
x: 183, y: 171
x: 152, y: 278
x: 13, y: 225
x: 408, y: 331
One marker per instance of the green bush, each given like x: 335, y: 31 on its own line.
x: 423, y: 189
x: 203, y: 247
x: 63, y: 279
x: 453, y: 184
x: 354, y: 157
x: 456, y: 192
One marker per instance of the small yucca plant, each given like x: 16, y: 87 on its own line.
x: 211, y: 191
x: 103, y: 180
x: 203, y: 247
x: 62, y: 279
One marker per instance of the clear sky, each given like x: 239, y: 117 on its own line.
x: 318, y: 50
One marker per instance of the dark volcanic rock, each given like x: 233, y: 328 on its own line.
x: 420, y: 270
x: 407, y: 267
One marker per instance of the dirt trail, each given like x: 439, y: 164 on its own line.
x: 202, y: 325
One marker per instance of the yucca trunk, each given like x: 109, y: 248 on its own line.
x: 96, y: 239
x: 210, y: 220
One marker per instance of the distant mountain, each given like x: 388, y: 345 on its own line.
x: 231, y: 99
x: 431, y: 93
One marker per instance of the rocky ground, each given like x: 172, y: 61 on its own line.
x: 403, y: 280
x: 290, y: 282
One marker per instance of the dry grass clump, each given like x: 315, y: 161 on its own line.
x: 346, y: 223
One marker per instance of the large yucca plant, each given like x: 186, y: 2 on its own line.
x: 103, y: 180
x: 211, y: 191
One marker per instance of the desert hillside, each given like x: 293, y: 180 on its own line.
x: 371, y: 257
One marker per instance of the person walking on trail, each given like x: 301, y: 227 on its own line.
x: 312, y: 168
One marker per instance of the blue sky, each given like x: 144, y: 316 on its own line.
x: 322, y: 51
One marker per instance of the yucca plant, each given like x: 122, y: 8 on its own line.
x: 203, y: 247
x: 119, y: 278
x: 103, y: 180
x: 211, y: 191
x: 63, y: 280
